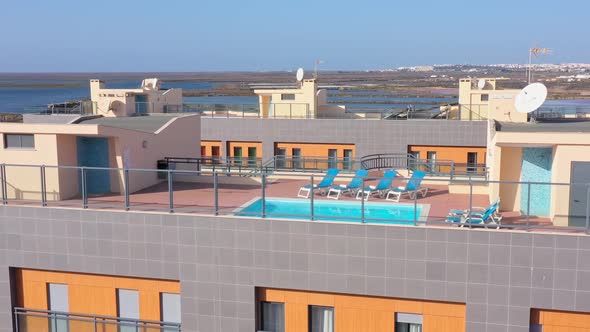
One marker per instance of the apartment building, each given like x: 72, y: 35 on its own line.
x: 178, y: 252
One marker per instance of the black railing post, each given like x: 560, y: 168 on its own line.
x: 216, y: 193
x: 470, y: 202
x: 83, y: 187
x: 263, y: 187
x: 4, y: 186
x: 126, y: 188
x: 587, y: 208
x: 311, y: 193
x: 363, y: 201
x: 528, y: 206
x: 43, y: 186
x: 170, y: 192
x: 16, y: 323
x: 415, y: 207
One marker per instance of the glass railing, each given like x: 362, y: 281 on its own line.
x: 433, y: 200
x: 34, y: 320
x: 75, y: 108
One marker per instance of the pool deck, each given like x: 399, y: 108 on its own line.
x: 199, y: 198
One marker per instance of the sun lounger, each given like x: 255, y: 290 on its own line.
x: 352, y: 187
x: 412, y: 188
x: 478, y: 211
x: 475, y: 219
x: 323, y: 186
x: 381, y: 188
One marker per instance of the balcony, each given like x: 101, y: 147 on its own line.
x: 35, y: 320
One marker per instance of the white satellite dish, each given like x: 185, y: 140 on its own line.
x: 300, y: 74
x: 530, y: 98
x: 481, y: 84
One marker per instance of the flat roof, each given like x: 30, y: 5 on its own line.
x: 554, y: 127
x: 146, y: 123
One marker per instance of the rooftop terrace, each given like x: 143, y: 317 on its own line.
x: 221, y: 193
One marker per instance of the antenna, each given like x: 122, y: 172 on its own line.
x: 530, y: 98
x: 481, y: 84
x: 299, y: 74
x: 535, y: 51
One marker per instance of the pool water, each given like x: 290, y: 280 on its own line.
x: 376, y: 213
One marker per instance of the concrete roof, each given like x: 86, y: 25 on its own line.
x: 148, y: 123
x: 548, y: 127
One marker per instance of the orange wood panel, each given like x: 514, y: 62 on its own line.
x: 207, y: 146
x: 316, y: 149
x: 561, y: 320
x: 457, y: 154
x: 92, y: 294
x: 244, y: 146
x: 364, y: 313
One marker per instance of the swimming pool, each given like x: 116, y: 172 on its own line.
x: 347, y: 211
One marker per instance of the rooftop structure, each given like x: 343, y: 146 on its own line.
x: 148, y: 98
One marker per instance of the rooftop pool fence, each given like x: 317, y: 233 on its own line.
x: 531, y: 206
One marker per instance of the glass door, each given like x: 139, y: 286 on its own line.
x: 252, y: 156
x: 332, y: 158
x: 471, y: 162
x: 296, y: 153
x: 280, y: 158
x: 348, y: 159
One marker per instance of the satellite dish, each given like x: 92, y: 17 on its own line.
x: 530, y: 98
x: 481, y: 83
x: 300, y: 74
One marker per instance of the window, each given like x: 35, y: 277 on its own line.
x: 408, y: 322
x: 485, y: 97
x: 252, y: 156
x: 238, y: 155
x: 348, y: 159
x: 280, y: 158
x: 431, y: 160
x: 127, y: 307
x: 19, y: 141
x: 321, y: 319
x: 288, y: 96
x: 58, y: 301
x: 272, y: 316
x: 296, y: 153
x: 170, y: 304
x: 471, y: 162
x: 215, y: 153
x: 414, y: 160
x: 332, y: 158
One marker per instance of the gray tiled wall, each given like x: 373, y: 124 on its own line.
x: 500, y: 275
x: 370, y: 136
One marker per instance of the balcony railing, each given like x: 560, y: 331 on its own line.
x: 75, y: 108
x: 524, y: 205
x: 36, y: 320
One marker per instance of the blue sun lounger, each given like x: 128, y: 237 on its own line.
x: 323, y: 186
x: 352, y: 187
x: 383, y: 186
x: 476, y: 219
x: 412, y: 188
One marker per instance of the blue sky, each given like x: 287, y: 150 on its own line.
x: 201, y: 35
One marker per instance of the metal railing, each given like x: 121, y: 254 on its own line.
x: 310, y: 163
x: 80, y: 107
x: 240, y: 165
x: 562, y: 112
x: 36, y: 320
x: 434, y: 167
x: 524, y: 205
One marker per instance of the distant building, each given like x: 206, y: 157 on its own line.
x: 482, y: 99
x: 149, y: 98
